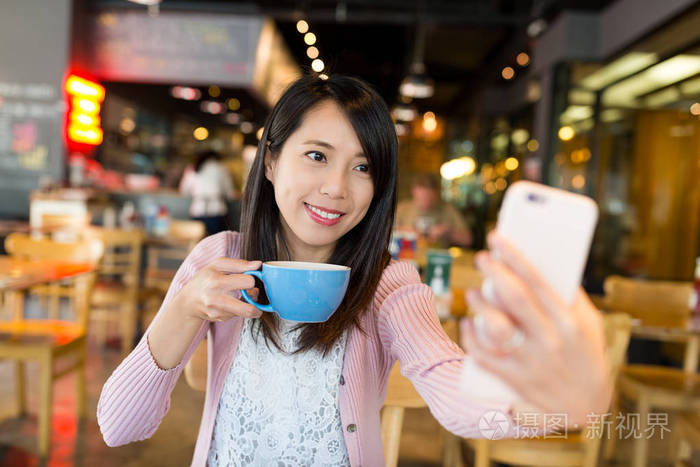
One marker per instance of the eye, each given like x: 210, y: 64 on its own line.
x: 362, y: 168
x: 316, y: 156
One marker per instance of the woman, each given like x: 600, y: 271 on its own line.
x: 310, y: 394
x: 209, y: 184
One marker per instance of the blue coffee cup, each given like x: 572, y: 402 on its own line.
x: 301, y: 291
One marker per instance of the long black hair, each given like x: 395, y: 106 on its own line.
x: 260, y: 216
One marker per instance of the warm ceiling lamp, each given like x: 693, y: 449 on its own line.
x: 302, y: 26
x: 522, y: 58
x: 508, y: 73
x: 312, y: 52
x: 317, y: 65
x: 566, y: 133
x: 417, y: 84
x: 310, y: 38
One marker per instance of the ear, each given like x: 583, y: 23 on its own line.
x: 269, y: 167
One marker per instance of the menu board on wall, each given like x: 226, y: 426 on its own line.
x: 175, y: 48
x: 34, y: 57
x: 31, y: 116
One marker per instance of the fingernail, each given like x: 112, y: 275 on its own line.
x: 480, y: 328
x: 488, y: 291
x: 472, y: 295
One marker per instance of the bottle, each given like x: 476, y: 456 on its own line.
x: 150, y: 212
x: 162, y: 222
x: 443, y: 295
x: 127, y: 216
x: 437, y: 283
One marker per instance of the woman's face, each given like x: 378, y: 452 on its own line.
x: 322, y: 183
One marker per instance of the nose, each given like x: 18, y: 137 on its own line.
x: 334, y: 184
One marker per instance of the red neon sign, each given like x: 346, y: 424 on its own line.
x: 85, y: 99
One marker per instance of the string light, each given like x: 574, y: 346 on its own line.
x: 523, y: 59
x: 302, y: 26
x: 310, y: 38
x: 317, y: 65
x: 312, y: 52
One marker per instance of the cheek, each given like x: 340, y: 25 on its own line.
x: 364, y: 197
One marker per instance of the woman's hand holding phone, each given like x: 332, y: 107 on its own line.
x: 550, y: 353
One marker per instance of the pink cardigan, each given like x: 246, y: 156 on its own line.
x: 401, y: 324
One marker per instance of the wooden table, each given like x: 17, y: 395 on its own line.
x: 17, y: 275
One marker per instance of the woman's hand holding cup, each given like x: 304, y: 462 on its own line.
x: 207, y: 296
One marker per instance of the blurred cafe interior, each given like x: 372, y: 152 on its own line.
x: 106, y: 107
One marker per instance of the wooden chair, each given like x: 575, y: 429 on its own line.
x: 115, y: 296
x: 656, y: 304
x: 163, y: 258
x: 401, y: 395
x: 46, y: 341
x: 578, y: 448
x: 196, y: 368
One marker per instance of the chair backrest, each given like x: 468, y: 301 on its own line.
x: 190, y: 231
x: 660, y: 303
x: 618, y: 327
x: 77, y: 289
x: 122, y: 256
x: 86, y: 250
x: 164, y: 258
x: 62, y: 221
x: 400, y: 391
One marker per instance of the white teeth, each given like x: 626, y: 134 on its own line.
x: 324, y: 214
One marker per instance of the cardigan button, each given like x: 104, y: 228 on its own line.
x: 352, y: 428
x: 342, y: 380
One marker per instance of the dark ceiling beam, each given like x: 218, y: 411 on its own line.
x: 378, y: 14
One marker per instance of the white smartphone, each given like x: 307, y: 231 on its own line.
x: 553, y: 229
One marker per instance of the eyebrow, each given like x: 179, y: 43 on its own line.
x: 325, y: 144
x: 319, y: 143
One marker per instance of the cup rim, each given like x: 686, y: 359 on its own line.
x: 305, y: 266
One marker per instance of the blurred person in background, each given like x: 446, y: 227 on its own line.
x: 427, y: 215
x: 210, y: 185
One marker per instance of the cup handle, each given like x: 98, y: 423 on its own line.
x: 247, y: 298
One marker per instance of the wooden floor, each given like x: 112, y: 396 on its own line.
x: 173, y: 443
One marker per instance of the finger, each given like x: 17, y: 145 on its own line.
x: 514, y: 296
x: 504, y: 367
x: 253, y: 293
x: 232, y: 307
x: 493, y: 327
x: 515, y: 260
x: 230, y: 282
x: 232, y: 265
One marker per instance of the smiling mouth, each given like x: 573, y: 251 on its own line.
x: 324, y: 213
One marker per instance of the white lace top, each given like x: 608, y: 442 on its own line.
x: 278, y: 408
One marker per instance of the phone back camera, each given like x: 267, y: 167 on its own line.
x: 535, y: 198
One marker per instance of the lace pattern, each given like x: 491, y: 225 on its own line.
x: 280, y: 409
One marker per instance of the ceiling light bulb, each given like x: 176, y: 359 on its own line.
x: 302, y: 26
x: 310, y: 38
